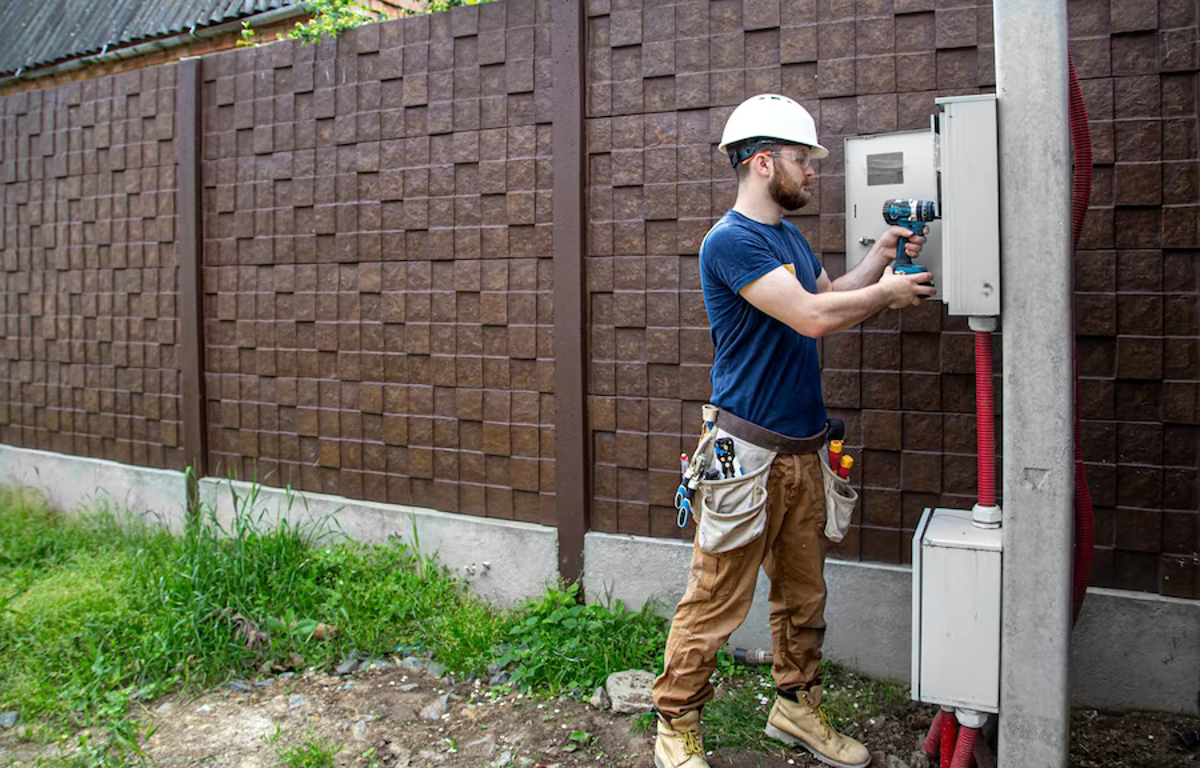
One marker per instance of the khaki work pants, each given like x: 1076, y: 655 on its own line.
x: 721, y: 587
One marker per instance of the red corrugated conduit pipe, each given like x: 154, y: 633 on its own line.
x: 934, y: 738
x: 949, y: 737
x: 985, y: 418
x: 1085, y: 529
x: 964, y: 750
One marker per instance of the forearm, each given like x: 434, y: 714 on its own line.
x: 865, y: 273
x: 837, y: 310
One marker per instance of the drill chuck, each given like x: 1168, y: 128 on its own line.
x: 897, y: 211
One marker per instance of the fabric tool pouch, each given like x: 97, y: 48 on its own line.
x: 840, y: 499
x: 733, y: 510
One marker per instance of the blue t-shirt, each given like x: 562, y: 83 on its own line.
x: 764, y: 371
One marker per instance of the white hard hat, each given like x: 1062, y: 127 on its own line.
x: 771, y: 116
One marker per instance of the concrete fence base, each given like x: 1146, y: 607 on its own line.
x: 504, y: 561
x: 1129, y: 650
x: 70, y: 483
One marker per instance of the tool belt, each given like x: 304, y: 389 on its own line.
x: 729, y: 469
x: 771, y: 441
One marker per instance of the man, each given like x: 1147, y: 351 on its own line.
x: 768, y: 300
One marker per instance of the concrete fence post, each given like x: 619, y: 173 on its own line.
x: 1038, y: 330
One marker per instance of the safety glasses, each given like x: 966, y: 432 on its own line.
x: 801, y: 156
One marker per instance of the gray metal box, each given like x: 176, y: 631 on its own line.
x: 956, y: 611
x: 966, y: 151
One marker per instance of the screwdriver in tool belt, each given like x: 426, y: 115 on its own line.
x: 835, y: 454
x: 844, y: 469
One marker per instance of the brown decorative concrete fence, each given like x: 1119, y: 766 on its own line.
x: 450, y: 261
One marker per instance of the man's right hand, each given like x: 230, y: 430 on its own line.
x: 905, y: 290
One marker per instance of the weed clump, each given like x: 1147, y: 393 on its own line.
x: 95, y: 606
x: 559, y: 645
x: 100, y: 611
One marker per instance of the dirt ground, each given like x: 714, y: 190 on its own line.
x: 402, y: 718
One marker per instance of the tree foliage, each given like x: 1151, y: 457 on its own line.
x: 328, y: 19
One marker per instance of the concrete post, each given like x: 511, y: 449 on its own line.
x: 1037, y: 327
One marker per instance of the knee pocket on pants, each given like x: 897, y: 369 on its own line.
x: 716, y: 573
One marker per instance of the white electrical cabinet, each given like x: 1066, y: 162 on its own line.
x: 956, y: 165
x: 956, y: 612
x: 882, y: 167
x: 968, y: 168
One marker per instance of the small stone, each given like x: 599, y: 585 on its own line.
x: 435, y: 709
x: 401, y: 756
x: 9, y: 719
x: 378, y: 664
x: 494, y: 668
x: 407, y: 687
x: 515, y: 737
x: 414, y: 662
x: 629, y: 691
x: 359, y: 730
x: 485, y: 747
x: 346, y: 667
x: 435, y: 669
x: 162, y: 708
x: 263, y: 683
x: 895, y: 762
x: 600, y: 699
x: 238, y: 685
x: 348, y: 686
x: 296, y: 700
x: 504, y: 760
x: 500, y: 678
x: 204, y: 709
x: 286, y: 676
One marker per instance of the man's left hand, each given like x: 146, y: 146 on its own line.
x: 885, y: 246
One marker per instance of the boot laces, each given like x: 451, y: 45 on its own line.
x: 825, y: 724
x: 822, y: 716
x: 691, y: 742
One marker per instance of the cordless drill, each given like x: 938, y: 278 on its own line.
x: 910, y: 214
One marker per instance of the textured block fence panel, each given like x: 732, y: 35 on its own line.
x: 88, y: 270
x: 378, y: 296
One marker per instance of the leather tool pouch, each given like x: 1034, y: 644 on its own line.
x: 733, y: 510
x: 840, y: 499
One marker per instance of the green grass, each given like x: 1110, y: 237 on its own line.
x: 309, y: 753
x: 735, y: 719
x: 99, y: 611
x: 97, y: 606
x: 851, y: 698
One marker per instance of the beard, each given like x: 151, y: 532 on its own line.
x: 787, y: 193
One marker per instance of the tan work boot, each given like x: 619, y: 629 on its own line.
x: 804, y: 722
x: 678, y: 744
